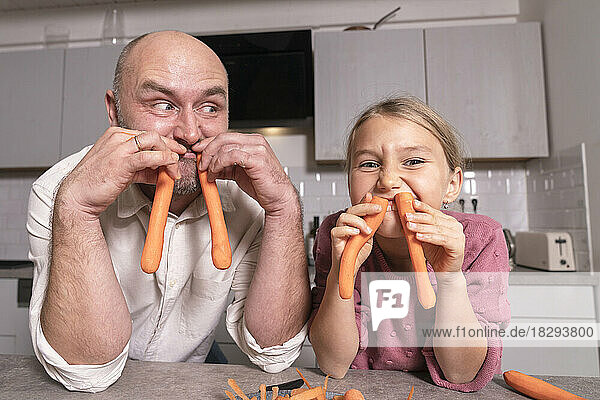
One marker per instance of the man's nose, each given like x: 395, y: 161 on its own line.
x: 187, y: 128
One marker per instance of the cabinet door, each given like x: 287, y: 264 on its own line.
x: 88, y: 74
x: 30, y: 107
x: 488, y: 81
x: 352, y: 70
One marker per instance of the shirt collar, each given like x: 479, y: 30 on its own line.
x: 132, y: 200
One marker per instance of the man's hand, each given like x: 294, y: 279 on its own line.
x: 113, y: 163
x: 249, y: 160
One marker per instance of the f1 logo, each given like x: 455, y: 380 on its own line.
x: 389, y: 300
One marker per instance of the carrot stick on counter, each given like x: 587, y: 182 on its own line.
x: 536, y: 388
x: 153, y: 246
x: 410, y: 394
x: 304, y: 379
x: 221, y: 250
x: 425, y: 293
x: 353, y: 246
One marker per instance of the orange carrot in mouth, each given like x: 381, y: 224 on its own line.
x: 353, y: 246
x: 153, y: 246
x: 425, y: 293
x: 536, y: 388
x: 221, y: 250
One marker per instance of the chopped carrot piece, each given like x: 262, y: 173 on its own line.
x: 232, y: 383
x: 263, y: 392
x: 302, y: 376
x: 230, y: 395
x: 412, y: 390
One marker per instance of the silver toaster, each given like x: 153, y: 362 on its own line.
x: 550, y: 251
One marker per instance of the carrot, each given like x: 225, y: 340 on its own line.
x: 310, y: 394
x: 325, y: 383
x: 412, y: 390
x: 153, y: 246
x: 305, y: 381
x: 425, y: 293
x: 353, y: 246
x: 353, y: 394
x: 230, y: 395
x: 275, y: 392
x: 263, y: 391
x: 536, y: 388
x: 221, y: 250
x: 298, y: 391
x: 233, y: 384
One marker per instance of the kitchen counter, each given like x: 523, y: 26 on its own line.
x: 529, y: 276
x: 22, y: 377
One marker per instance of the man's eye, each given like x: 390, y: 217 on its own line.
x: 209, y: 109
x: 369, y: 164
x: 164, y: 106
x: 414, y: 161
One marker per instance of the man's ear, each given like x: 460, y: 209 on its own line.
x: 111, y: 107
x: 454, y: 185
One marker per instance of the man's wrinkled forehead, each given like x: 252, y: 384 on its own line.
x: 175, y: 54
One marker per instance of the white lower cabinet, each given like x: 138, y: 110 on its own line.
x: 14, y: 324
x: 548, y: 305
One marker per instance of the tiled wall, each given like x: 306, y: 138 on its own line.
x: 556, y: 199
x: 14, y: 196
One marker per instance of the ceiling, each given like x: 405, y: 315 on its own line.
x: 25, y: 5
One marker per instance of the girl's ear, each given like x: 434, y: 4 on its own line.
x: 454, y: 185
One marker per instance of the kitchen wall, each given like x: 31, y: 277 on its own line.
x: 25, y: 29
x: 557, y: 199
x: 570, y: 30
x: 14, y: 195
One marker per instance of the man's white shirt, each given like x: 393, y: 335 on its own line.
x: 174, y: 311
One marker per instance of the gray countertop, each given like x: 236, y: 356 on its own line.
x: 22, y: 377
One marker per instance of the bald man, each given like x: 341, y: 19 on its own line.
x: 92, y: 307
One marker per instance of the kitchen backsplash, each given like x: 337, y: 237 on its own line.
x: 14, y: 196
x: 556, y: 199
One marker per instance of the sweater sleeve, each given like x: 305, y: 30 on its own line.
x: 322, y: 256
x: 486, y: 272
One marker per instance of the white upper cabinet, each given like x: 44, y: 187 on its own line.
x: 88, y: 74
x: 355, y: 68
x: 488, y: 81
x: 31, y: 84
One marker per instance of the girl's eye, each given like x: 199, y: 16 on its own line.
x: 164, y: 106
x: 368, y: 164
x: 414, y: 161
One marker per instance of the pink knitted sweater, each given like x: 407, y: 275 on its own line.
x: 486, y: 271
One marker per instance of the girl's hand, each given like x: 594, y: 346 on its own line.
x: 442, y: 237
x: 351, y: 223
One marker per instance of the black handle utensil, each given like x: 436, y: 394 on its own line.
x: 296, y: 384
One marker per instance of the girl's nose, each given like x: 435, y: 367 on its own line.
x: 389, y: 180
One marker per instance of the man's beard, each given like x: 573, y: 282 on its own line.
x: 189, y: 182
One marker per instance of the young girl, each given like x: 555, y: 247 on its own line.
x: 402, y: 145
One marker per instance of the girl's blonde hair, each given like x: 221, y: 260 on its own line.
x: 412, y: 109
